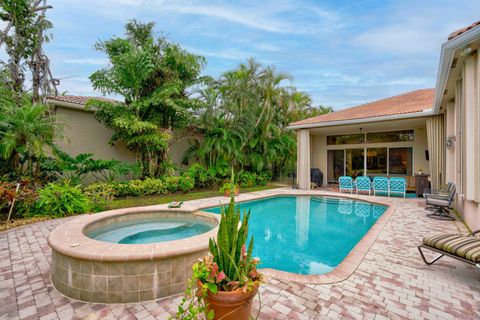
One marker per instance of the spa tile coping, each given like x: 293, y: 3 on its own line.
x: 72, y: 232
x: 69, y: 238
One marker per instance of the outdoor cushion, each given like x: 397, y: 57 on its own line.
x: 466, y: 247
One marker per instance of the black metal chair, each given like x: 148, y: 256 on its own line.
x: 441, y: 203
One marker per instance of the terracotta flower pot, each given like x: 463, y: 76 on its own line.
x: 230, y: 305
x: 236, y: 192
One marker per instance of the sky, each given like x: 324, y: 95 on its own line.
x: 342, y: 53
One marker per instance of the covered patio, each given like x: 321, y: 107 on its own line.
x: 392, y: 137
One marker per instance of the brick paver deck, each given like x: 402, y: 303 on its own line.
x: 391, y: 282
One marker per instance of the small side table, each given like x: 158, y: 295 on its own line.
x: 421, y: 183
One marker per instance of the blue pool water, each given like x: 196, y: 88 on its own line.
x: 307, y: 235
x: 150, y: 230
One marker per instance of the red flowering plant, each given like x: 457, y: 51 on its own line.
x: 25, y: 197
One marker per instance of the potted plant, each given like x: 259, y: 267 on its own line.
x: 225, y: 282
x: 228, y: 187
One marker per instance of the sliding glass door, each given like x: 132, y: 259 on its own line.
x: 335, y: 165
x: 400, y: 161
x: 377, y: 161
x: 354, y: 162
x: 369, y: 162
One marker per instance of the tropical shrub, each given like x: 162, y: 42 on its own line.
x: 179, y: 183
x: 60, y: 200
x: 154, y: 75
x: 24, y: 200
x: 26, y: 135
x: 100, y: 194
x: 148, y: 186
x: 202, y: 176
x: 227, y: 187
x: 66, y: 167
x: 244, y: 117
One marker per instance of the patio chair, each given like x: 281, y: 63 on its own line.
x: 441, y: 204
x: 397, y: 186
x: 437, y: 193
x: 363, y: 184
x: 442, y: 192
x: 460, y: 247
x: 380, y: 184
x: 345, y: 183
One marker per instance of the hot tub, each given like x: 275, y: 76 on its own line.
x: 128, y: 255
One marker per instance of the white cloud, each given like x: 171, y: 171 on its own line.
x: 90, y: 61
x: 230, y: 54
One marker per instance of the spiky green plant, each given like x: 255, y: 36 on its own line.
x: 230, y: 251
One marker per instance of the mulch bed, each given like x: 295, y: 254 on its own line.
x: 20, y: 222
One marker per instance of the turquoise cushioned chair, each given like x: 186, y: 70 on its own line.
x: 363, y: 184
x: 380, y: 184
x: 345, y: 183
x: 397, y: 186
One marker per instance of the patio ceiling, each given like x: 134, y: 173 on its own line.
x: 414, y: 123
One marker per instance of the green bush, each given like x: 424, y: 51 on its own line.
x: 100, y: 194
x: 146, y: 187
x: 250, y: 179
x: 186, y: 183
x: 247, y: 179
x: 204, y: 177
x: 60, y: 200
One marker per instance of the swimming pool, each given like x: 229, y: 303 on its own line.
x: 307, y: 235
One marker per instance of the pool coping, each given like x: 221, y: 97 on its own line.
x: 351, y: 262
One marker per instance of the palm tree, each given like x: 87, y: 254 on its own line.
x: 25, y: 135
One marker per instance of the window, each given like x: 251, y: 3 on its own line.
x: 391, y: 136
x: 400, y: 161
x: 376, y: 161
x: 346, y: 139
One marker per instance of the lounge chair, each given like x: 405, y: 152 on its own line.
x: 345, y: 183
x: 397, y: 186
x: 460, y: 247
x: 380, y: 184
x: 441, y: 204
x: 363, y: 184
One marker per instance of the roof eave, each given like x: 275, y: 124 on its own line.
x: 424, y: 113
x: 70, y: 105
x: 446, y: 58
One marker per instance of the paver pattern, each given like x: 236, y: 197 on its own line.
x: 391, y: 282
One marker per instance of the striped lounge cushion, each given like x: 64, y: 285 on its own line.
x: 467, y: 247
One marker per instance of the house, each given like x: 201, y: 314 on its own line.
x: 84, y: 134
x: 431, y: 130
